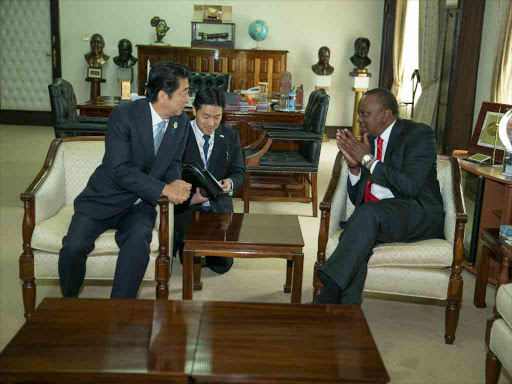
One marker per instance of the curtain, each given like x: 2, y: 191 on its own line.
x: 398, y: 44
x: 431, y: 26
x: 501, y: 86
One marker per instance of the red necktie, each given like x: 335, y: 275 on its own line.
x: 368, y: 196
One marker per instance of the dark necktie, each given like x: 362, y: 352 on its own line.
x: 159, y: 135
x: 368, y: 196
x: 205, y: 150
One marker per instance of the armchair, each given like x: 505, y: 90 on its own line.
x: 48, y: 203
x: 66, y: 121
x: 498, y: 337
x: 429, y: 269
x: 200, y: 80
x: 259, y: 157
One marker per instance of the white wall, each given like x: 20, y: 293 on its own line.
x: 301, y: 27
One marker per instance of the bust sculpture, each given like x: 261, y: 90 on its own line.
x: 96, y: 58
x: 125, y: 58
x: 360, y: 58
x: 323, y: 68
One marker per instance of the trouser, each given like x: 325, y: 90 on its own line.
x: 372, y: 223
x: 134, y: 232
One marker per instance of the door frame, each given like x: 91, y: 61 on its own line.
x: 19, y: 117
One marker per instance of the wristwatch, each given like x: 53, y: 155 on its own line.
x: 366, y: 160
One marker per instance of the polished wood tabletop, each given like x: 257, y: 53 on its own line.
x: 493, y: 172
x: 142, y: 341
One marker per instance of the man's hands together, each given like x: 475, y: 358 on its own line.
x: 177, y: 192
x: 353, y: 150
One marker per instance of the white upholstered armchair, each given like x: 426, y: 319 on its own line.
x: 48, y: 204
x: 425, y: 269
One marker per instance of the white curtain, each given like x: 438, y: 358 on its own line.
x: 398, y: 44
x: 431, y: 26
x: 501, y: 86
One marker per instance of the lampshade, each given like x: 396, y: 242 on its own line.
x: 505, y: 130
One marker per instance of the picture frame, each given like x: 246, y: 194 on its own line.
x: 94, y: 72
x: 484, y: 142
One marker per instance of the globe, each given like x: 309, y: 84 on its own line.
x: 258, y: 30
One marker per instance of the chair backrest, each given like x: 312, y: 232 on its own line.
x: 314, y: 122
x: 63, y: 102
x: 201, y: 80
x: 342, y: 207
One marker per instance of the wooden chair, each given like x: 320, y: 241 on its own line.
x: 498, y: 336
x: 48, y: 203
x: 261, y: 158
x: 429, y: 269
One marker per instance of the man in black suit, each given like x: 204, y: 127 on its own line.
x: 393, y: 185
x: 216, y: 148
x: 144, y: 145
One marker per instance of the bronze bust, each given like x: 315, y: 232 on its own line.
x: 323, y: 68
x: 360, y: 58
x: 125, y: 58
x: 96, y: 58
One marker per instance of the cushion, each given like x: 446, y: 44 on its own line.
x: 431, y: 253
x: 504, y: 303
x: 501, y: 343
x: 48, y: 235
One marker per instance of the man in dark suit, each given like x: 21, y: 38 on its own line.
x: 144, y: 145
x: 216, y: 148
x: 393, y: 185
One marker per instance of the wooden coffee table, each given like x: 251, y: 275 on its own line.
x: 145, y: 341
x: 243, y: 235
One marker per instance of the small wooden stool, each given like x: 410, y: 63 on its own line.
x: 491, y: 248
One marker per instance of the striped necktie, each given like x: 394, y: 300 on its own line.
x: 159, y: 135
x: 368, y: 196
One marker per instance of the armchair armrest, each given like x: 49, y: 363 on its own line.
x: 92, y: 120
x: 282, y: 127
x: 296, y: 136
x: 163, y: 261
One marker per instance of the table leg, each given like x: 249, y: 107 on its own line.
x: 476, y: 220
x: 298, y: 264
x: 198, y: 285
x: 287, y: 287
x: 482, y: 273
x: 188, y: 258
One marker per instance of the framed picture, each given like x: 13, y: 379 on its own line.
x: 486, y: 130
x: 94, y: 72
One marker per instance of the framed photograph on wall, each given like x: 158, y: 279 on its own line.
x: 94, y: 72
x: 486, y: 130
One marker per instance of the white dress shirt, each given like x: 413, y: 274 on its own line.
x: 377, y: 190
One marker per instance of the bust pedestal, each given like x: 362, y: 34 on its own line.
x: 360, y: 85
x: 95, y: 86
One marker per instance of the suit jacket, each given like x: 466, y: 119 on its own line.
x: 129, y: 169
x: 226, y: 161
x: 409, y: 169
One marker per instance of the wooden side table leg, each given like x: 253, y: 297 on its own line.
x: 482, y: 274
x: 287, y: 287
x: 198, y: 285
x: 188, y: 258
x: 298, y: 264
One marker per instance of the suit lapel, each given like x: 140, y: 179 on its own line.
x: 394, y: 140
x: 146, y: 133
x: 192, y: 152
x: 218, y: 148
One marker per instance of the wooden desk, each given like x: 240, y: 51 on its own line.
x: 493, y: 205
x: 249, y: 125
x: 244, y: 235
x: 144, y: 341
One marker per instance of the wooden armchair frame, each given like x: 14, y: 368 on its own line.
x: 455, y: 285
x: 26, y: 261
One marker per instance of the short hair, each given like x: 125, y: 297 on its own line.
x: 385, y: 98
x: 165, y: 76
x: 209, y: 96
x: 324, y: 48
x: 360, y: 40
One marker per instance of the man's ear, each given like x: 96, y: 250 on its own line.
x: 385, y: 114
